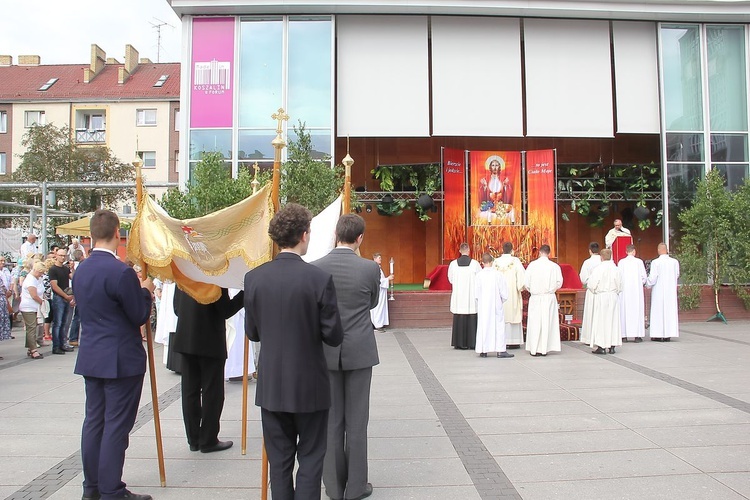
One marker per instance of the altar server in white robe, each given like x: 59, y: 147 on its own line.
x: 588, y: 304
x: 462, y: 276
x: 662, y: 278
x: 236, y: 346
x: 166, y: 320
x: 605, y: 284
x: 512, y: 270
x: 491, y: 293
x: 632, y: 312
x: 379, y: 313
x: 543, y: 278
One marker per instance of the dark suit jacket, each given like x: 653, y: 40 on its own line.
x: 112, y: 306
x: 201, y: 328
x: 357, y: 283
x: 290, y: 307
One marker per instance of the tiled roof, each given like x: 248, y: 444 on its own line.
x: 21, y: 83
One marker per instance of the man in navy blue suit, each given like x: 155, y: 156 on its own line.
x: 113, y: 304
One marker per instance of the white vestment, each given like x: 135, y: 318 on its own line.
x: 513, y: 272
x: 613, y: 234
x: 491, y: 293
x: 632, y: 312
x: 166, y: 320
x: 605, y: 284
x: 588, y: 303
x: 462, y: 278
x: 236, y: 346
x: 663, y: 279
x: 543, y: 278
x: 379, y: 313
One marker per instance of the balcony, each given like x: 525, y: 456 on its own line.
x: 84, y: 136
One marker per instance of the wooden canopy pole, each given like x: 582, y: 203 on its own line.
x: 348, y: 161
x: 150, y: 347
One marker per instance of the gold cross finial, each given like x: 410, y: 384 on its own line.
x: 256, y: 168
x: 281, y: 116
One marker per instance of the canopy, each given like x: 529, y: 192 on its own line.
x: 80, y: 227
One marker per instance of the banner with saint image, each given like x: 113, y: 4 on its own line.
x: 495, y: 187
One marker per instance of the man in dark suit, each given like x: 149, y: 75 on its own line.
x: 350, y: 365
x: 113, y: 304
x: 290, y: 307
x: 201, y: 338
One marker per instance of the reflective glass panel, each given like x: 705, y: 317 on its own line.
x: 682, y: 77
x: 727, y: 90
x: 684, y: 147
x: 321, y: 143
x: 734, y: 175
x: 729, y: 147
x: 260, y: 92
x: 681, y: 184
x: 309, y: 73
x: 256, y: 144
x: 210, y: 140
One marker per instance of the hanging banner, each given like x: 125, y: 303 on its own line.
x: 495, y: 188
x: 211, y: 72
x: 540, y: 180
x: 454, y: 202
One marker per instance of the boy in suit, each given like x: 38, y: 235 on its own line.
x: 290, y: 307
x: 113, y: 304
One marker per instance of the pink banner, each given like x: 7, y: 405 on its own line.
x: 212, y: 71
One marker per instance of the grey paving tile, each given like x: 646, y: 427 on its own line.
x: 20, y: 470
x: 565, y: 442
x: 613, y: 403
x: 680, y: 418
x: 143, y: 474
x: 501, y: 397
x: 410, y: 448
x: 404, y: 412
x: 727, y: 458
x: 526, y: 409
x: 405, y: 428
x: 738, y: 481
x: 432, y: 472
x: 697, y: 435
x: 543, y: 423
x: 691, y: 486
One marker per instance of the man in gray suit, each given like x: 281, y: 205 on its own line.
x: 350, y: 365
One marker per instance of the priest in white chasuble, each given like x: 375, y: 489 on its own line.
x: 543, y: 278
x: 605, y: 284
x: 512, y: 270
x: 663, y: 276
x: 588, y: 304
x: 462, y: 276
x: 491, y: 293
x: 379, y: 313
x: 632, y: 308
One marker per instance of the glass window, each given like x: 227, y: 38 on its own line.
x: 727, y: 89
x: 321, y: 143
x: 209, y: 140
x: 3, y: 164
x: 729, y: 147
x: 32, y: 118
x: 176, y: 120
x: 3, y: 122
x: 682, y: 77
x: 261, y: 57
x: 684, y: 147
x: 734, y: 175
x: 149, y: 158
x: 256, y: 144
x: 145, y: 117
x: 309, y: 74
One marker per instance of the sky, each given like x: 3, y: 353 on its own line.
x: 62, y: 31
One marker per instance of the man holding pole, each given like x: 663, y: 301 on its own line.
x: 113, y: 304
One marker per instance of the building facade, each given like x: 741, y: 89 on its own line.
x: 131, y: 107
x: 604, y: 83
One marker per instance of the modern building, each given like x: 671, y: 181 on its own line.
x: 610, y: 83
x: 131, y: 107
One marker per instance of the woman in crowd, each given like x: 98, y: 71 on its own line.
x: 32, y: 291
x: 48, y: 297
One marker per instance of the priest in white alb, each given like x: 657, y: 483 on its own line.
x: 615, y: 232
x: 512, y: 270
x: 662, y: 278
x: 632, y: 312
x: 543, y: 278
x: 588, y: 303
x: 605, y: 284
x: 379, y: 313
x: 491, y: 293
x: 462, y: 276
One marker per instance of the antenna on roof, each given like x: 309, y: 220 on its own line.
x: 157, y: 27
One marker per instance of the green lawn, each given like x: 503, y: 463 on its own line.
x: 408, y: 287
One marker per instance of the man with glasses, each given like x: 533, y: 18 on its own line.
x: 62, y: 301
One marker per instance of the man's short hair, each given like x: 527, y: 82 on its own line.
x: 464, y: 247
x: 289, y: 224
x: 630, y: 248
x: 507, y: 247
x: 77, y: 255
x: 376, y: 255
x: 545, y: 249
x: 103, y: 225
x: 349, y: 228
x: 594, y: 247
x: 487, y: 258
x: 606, y: 254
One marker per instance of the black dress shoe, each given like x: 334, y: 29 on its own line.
x: 219, y: 446
x: 58, y: 351
x: 93, y: 496
x: 136, y: 496
x: 599, y: 350
x: 482, y: 354
x: 367, y: 493
x: 504, y: 354
x: 194, y: 447
x: 667, y: 339
x: 67, y: 349
x: 612, y: 350
x: 638, y: 339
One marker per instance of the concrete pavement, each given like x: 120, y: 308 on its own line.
x: 656, y: 420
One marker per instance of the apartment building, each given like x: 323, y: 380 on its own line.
x: 132, y: 107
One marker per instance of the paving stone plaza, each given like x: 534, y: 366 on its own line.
x: 653, y: 421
